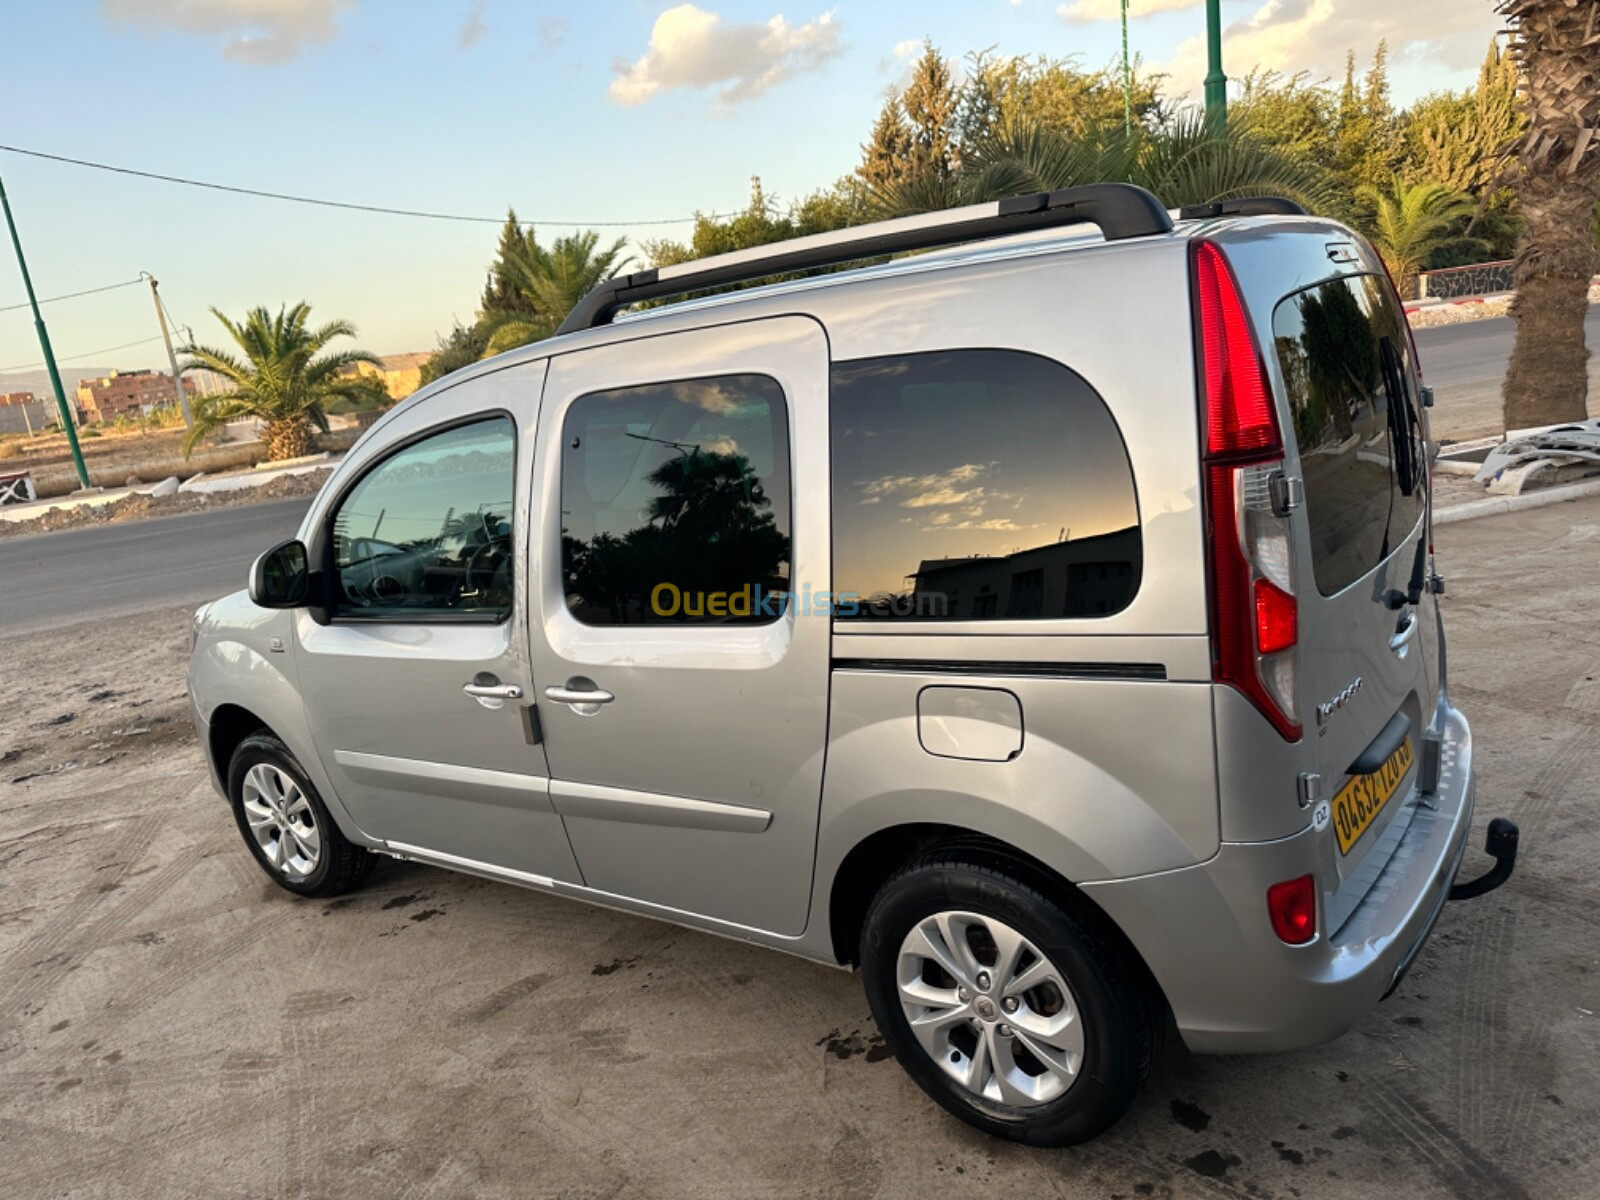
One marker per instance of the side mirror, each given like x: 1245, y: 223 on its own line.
x: 281, y: 577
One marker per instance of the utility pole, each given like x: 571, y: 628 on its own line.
x: 1216, y: 81
x: 172, y: 359
x: 67, y: 425
x: 1127, y: 85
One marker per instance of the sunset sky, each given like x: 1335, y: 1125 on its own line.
x: 632, y: 114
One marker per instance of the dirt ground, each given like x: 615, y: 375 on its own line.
x: 172, y: 1024
x: 112, y: 458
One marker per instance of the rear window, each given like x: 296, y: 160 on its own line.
x: 978, y: 485
x: 1345, y: 358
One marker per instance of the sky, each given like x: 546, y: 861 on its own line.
x: 633, y: 114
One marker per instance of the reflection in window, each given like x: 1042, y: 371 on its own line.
x: 675, y: 503
x: 978, y: 485
x: 427, y: 532
x: 1344, y: 354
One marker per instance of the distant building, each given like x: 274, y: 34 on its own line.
x: 401, y: 373
x: 1088, y: 577
x: 22, y: 412
x: 123, y: 392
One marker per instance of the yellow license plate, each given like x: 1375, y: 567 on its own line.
x: 1360, y: 801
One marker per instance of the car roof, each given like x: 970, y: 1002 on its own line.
x: 1037, y: 243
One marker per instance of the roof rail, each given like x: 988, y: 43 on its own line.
x: 1245, y: 206
x: 1121, y: 210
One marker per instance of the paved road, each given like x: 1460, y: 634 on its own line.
x: 1465, y: 364
x: 56, y: 579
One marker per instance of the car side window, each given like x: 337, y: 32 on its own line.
x: 426, y: 533
x: 978, y: 485
x: 675, y: 504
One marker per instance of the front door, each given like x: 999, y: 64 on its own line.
x: 426, y: 603
x: 678, y: 636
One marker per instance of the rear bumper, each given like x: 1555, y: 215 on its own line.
x: 1233, y: 986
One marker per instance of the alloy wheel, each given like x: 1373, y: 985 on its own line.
x: 281, y: 820
x: 990, y: 1009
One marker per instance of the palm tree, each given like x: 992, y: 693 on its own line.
x: 1410, y: 222
x: 552, y: 282
x: 1558, y: 186
x: 280, y: 380
x: 1187, y: 160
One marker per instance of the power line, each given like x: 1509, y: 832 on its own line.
x: 88, y: 354
x: 110, y: 287
x: 370, y: 208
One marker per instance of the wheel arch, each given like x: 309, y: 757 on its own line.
x: 230, y: 725
x: 873, y: 859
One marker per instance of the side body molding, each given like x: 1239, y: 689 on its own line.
x: 651, y: 808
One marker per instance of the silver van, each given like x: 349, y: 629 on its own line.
x: 1040, y: 618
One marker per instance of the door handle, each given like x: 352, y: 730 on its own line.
x: 493, y: 691
x: 1404, y: 632
x: 567, y: 695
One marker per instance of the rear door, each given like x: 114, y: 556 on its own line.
x: 1345, y: 361
x: 684, y: 698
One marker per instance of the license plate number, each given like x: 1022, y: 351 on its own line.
x: 1360, y: 801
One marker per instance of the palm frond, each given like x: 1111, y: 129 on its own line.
x: 281, y: 377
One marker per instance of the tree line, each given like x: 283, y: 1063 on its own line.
x: 1424, y: 181
x: 1506, y: 168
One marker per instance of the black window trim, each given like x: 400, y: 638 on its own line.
x: 789, y: 446
x: 323, y: 551
x: 996, y: 626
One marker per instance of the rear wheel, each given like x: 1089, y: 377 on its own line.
x: 1010, y: 1012
x: 285, y: 824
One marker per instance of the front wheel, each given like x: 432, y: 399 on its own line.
x: 286, y: 825
x: 1015, y: 1016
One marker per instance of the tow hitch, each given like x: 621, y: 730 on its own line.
x: 1501, y: 845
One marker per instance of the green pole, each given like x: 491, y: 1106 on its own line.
x: 1127, y: 85
x: 67, y: 425
x: 1216, y: 81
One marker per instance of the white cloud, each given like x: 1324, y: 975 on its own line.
x: 692, y: 48
x: 1081, y: 12
x: 253, y: 31
x: 551, y: 32
x: 473, y: 28
x: 1314, y: 35
x: 901, y: 62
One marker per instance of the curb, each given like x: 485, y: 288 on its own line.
x: 1430, y: 302
x: 1495, y: 505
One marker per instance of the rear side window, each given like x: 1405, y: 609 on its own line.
x: 675, y: 503
x: 1345, y: 358
x: 977, y: 485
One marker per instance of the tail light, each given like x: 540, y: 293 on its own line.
x: 1292, y: 908
x: 1255, y: 630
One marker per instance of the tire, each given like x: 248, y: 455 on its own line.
x: 1086, y: 983
x: 270, y: 793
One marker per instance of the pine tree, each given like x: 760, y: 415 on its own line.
x: 1368, y: 143
x: 886, y: 157
x: 500, y: 294
x: 1383, y: 145
x: 930, y: 102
